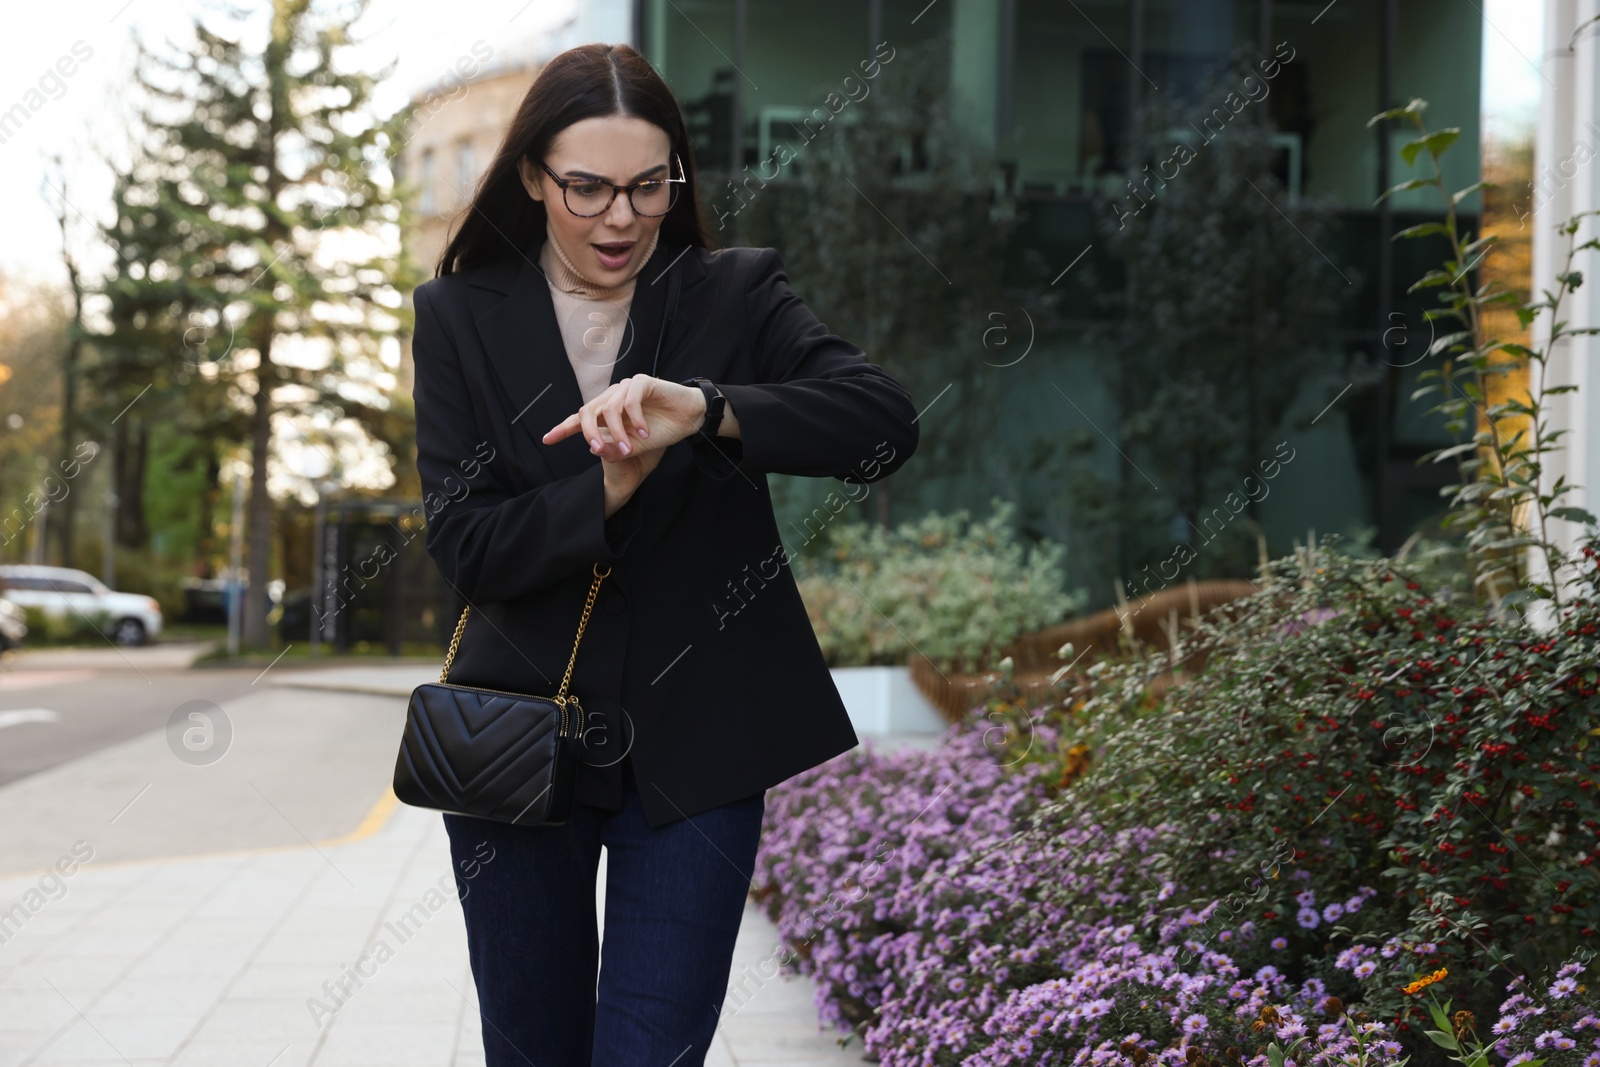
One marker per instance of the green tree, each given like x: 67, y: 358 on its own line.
x: 138, y: 383
x: 35, y: 333
x: 1222, y: 312
x: 887, y: 217
x: 263, y: 204
x: 72, y: 358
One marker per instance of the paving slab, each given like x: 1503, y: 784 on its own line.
x: 238, y: 959
x: 223, y: 904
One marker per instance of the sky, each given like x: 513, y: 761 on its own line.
x: 84, y: 114
x: 1513, y: 37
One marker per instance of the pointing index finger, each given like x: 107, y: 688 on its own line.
x: 561, y: 430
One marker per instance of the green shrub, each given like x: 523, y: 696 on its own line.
x: 1349, y: 719
x: 138, y: 570
x: 69, y: 629
x: 952, y: 590
x: 1437, y: 559
x: 141, y: 571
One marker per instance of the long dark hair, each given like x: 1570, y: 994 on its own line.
x: 589, y: 81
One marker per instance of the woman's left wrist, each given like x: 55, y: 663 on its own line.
x: 713, y: 404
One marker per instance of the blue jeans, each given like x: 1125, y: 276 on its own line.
x: 674, y: 899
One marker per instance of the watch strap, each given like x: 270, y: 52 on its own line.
x: 714, y: 403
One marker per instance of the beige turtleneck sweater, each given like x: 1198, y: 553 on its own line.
x: 592, y: 317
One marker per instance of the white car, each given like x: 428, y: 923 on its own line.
x: 131, y: 618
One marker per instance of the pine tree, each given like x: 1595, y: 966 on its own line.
x: 269, y: 203
x: 159, y: 367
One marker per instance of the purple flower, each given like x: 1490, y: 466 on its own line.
x: 1504, y: 1026
x: 1016, y: 948
x: 1352, y: 956
x: 1332, y: 912
x: 1365, y: 969
x: 1545, y: 1039
x: 1307, y: 918
x: 1563, y: 987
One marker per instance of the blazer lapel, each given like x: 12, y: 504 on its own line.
x: 523, y: 342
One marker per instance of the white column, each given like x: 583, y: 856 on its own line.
x: 1566, y: 180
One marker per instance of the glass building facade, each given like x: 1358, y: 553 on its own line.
x: 1053, y: 88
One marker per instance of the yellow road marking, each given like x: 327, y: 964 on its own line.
x: 376, y: 819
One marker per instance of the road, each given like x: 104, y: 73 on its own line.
x: 224, y: 905
x: 57, y: 706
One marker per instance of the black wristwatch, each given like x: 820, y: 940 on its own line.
x: 714, y: 403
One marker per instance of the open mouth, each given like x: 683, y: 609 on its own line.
x: 614, y: 254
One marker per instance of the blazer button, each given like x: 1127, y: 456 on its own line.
x: 615, y: 603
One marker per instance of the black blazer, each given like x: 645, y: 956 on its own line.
x: 699, y: 661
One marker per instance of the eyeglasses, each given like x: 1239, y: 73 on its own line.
x: 587, y: 197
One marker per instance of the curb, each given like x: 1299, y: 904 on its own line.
x: 376, y: 818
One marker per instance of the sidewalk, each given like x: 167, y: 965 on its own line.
x: 156, y: 911
x: 179, y: 654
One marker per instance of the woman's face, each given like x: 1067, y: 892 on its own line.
x: 621, y: 149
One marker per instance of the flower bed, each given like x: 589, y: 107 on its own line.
x: 935, y: 918
x: 1315, y: 879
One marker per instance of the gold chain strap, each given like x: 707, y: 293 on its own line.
x: 455, y: 640
x: 588, y: 605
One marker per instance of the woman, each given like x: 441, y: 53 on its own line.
x: 554, y: 432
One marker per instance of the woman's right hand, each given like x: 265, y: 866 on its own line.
x: 624, y: 476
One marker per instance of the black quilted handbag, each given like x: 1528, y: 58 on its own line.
x: 504, y: 756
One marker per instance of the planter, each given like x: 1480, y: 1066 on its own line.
x: 883, y: 700
x: 1106, y: 633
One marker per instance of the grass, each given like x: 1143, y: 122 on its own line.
x: 194, y: 631
x: 362, y: 653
